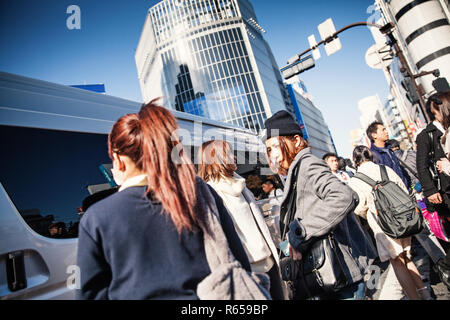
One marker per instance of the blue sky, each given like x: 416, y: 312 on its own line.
x: 35, y: 42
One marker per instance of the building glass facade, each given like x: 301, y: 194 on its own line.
x: 209, y: 58
x: 311, y: 121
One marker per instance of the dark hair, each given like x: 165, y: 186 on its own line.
x: 440, y: 101
x: 373, y: 127
x: 149, y: 138
x: 341, y: 164
x: 433, y: 101
x: 57, y: 225
x: 349, y: 163
x: 269, y: 181
x: 361, y: 154
x: 328, y: 155
x: 445, y: 109
x: 392, y: 143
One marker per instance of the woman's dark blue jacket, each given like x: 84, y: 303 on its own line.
x: 130, y: 249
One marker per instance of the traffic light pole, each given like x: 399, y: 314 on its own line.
x: 387, y: 30
x: 334, y: 36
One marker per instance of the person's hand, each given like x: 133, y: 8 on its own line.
x: 435, y: 198
x: 294, y: 254
x: 440, y: 164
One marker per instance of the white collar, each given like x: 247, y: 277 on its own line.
x: 365, y: 164
x: 136, y: 181
x: 438, y: 125
x: 233, y: 185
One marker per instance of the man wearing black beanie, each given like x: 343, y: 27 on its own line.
x: 282, y: 124
x: 320, y: 204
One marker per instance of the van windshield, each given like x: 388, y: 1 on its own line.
x: 47, y: 174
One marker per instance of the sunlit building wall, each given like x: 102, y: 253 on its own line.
x: 209, y: 58
x: 310, y: 118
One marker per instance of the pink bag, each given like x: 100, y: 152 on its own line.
x: 434, y: 221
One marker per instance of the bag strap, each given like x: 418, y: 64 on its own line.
x: 404, y: 155
x: 217, y: 248
x: 384, y: 174
x: 430, y: 141
x: 408, y: 167
x: 275, y: 193
x: 254, y: 218
x: 287, y: 207
x: 366, y: 179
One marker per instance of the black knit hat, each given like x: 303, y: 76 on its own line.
x: 282, y: 124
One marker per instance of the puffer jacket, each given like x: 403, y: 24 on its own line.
x: 324, y: 204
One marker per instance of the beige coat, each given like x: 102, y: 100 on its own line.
x: 387, y: 247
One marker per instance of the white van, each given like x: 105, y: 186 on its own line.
x: 53, y: 140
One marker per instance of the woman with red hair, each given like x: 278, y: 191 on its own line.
x: 146, y: 240
x: 217, y: 166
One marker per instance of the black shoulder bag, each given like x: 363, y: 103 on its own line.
x: 320, y: 271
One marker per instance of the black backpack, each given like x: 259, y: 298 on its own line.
x: 399, y: 215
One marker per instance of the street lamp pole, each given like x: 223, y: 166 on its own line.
x: 387, y: 30
x: 334, y: 36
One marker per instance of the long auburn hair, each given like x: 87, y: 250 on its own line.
x: 148, y: 139
x: 215, y: 160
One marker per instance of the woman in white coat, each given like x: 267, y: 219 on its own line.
x: 217, y: 166
x: 388, y: 248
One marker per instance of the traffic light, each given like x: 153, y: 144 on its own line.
x: 411, y: 92
x: 298, y: 67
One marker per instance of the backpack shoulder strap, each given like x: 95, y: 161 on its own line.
x: 384, y: 174
x: 404, y: 155
x: 366, y: 179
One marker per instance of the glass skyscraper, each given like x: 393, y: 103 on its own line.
x: 209, y: 58
x: 310, y: 119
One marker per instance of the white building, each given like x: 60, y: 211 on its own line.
x: 310, y: 118
x: 358, y: 137
x: 209, y: 58
x: 371, y: 110
x: 423, y: 32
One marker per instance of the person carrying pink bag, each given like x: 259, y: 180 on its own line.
x: 434, y: 221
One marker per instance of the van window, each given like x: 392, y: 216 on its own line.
x: 46, y: 173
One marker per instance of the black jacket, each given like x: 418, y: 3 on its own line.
x: 423, y: 161
x: 129, y: 249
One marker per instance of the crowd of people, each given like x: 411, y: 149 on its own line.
x: 149, y: 239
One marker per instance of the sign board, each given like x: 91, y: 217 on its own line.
x: 312, y: 42
x: 297, y: 67
x: 326, y: 29
x: 378, y: 56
